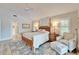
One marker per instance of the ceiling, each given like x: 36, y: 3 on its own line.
x: 36, y: 10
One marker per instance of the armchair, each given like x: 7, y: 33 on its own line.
x: 68, y: 40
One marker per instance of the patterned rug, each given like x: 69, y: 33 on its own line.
x: 19, y: 48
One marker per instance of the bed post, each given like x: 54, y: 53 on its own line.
x: 34, y: 50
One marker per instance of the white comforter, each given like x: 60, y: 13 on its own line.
x: 37, y: 37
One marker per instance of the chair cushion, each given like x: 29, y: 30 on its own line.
x: 68, y: 36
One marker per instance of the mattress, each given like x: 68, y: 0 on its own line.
x: 37, y: 38
x: 30, y: 35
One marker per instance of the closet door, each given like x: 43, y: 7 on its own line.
x: 0, y: 29
x: 5, y: 29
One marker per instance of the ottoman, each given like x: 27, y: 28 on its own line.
x: 70, y: 43
x: 59, y: 47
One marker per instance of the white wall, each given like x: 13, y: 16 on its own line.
x: 25, y: 21
x: 44, y: 22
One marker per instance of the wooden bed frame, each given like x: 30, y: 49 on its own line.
x: 27, y: 41
x: 47, y: 28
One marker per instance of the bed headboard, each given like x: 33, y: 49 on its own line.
x: 47, y: 28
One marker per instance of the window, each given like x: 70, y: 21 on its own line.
x: 64, y: 26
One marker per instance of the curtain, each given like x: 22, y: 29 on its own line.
x: 64, y: 26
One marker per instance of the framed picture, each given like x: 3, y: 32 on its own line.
x: 25, y: 26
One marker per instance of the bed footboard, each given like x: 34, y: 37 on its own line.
x: 27, y: 41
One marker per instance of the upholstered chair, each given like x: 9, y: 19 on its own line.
x: 69, y: 40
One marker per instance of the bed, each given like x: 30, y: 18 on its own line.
x: 35, y: 39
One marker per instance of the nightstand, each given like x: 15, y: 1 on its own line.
x: 52, y: 37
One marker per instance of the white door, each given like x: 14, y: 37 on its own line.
x: 5, y: 29
x: 0, y: 29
